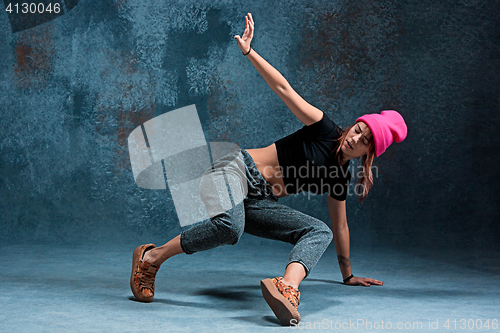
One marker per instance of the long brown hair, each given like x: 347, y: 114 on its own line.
x: 365, y: 176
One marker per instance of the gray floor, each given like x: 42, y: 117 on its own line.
x: 86, y: 289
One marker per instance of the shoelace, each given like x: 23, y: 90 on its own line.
x: 295, y: 297
x: 147, y: 279
x: 292, y: 291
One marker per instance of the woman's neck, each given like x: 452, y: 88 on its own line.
x: 343, y: 160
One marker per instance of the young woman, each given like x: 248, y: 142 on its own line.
x: 314, y: 159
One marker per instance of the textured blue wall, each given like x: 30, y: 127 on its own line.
x: 73, y: 89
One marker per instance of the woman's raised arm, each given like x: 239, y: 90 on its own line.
x: 304, y: 111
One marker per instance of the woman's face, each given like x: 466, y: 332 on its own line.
x: 357, y: 141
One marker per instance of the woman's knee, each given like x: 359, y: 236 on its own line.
x: 229, y: 231
x: 329, y: 235
x: 324, y: 233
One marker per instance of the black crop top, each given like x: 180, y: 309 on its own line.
x: 308, y: 164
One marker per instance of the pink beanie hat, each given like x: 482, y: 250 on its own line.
x: 386, y: 127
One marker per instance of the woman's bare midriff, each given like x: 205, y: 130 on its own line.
x: 266, y: 160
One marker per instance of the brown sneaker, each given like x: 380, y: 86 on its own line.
x: 142, y: 280
x: 282, y: 299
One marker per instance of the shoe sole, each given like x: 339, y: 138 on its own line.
x: 136, y: 256
x: 282, y: 308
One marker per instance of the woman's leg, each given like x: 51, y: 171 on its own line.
x: 310, y: 236
x: 295, y: 272
x: 225, y: 228
x: 158, y: 255
x: 222, y: 190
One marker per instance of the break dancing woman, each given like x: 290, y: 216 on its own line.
x: 324, y: 150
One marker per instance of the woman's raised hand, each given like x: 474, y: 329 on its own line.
x: 244, y: 42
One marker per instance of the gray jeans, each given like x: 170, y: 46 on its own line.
x: 254, y: 210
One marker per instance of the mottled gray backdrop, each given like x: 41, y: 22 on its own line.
x: 72, y: 90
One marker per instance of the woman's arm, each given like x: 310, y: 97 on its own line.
x: 342, y: 243
x: 340, y: 234
x: 304, y: 111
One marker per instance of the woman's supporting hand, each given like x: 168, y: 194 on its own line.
x: 356, y: 281
x: 244, y: 42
